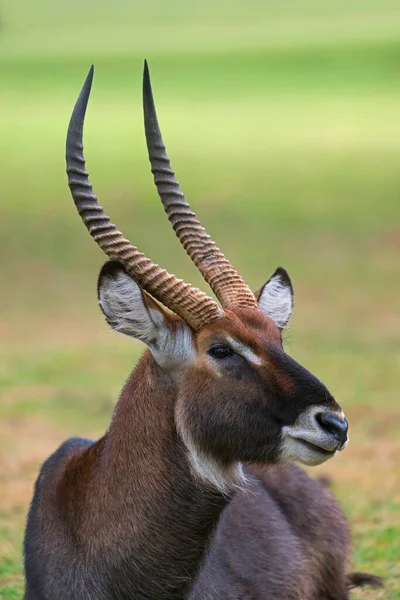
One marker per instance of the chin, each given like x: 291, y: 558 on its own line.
x: 296, y: 450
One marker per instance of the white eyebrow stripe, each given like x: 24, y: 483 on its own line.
x: 244, y: 350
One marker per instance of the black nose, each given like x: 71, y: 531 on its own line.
x: 334, y: 425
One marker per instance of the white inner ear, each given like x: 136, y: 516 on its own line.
x: 125, y: 309
x: 276, y: 301
x: 122, y: 303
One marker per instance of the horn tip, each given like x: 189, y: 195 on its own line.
x: 74, y: 133
x: 146, y: 77
x: 148, y: 101
x: 89, y: 77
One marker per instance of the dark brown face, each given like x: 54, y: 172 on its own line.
x: 239, y: 396
x: 244, y: 399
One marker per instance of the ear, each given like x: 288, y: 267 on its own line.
x: 275, y: 298
x: 131, y: 311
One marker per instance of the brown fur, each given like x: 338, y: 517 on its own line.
x: 127, y: 517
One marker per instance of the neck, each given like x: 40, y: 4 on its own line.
x: 149, y: 512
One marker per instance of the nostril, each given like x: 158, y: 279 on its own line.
x: 334, y: 425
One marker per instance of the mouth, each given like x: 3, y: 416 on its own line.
x: 321, y: 443
x: 316, y: 447
x: 315, y: 436
x: 308, y: 451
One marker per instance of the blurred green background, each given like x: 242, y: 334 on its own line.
x: 282, y: 120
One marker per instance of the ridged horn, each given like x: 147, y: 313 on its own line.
x: 229, y: 287
x: 190, y: 303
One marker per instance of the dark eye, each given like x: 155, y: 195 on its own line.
x: 221, y: 351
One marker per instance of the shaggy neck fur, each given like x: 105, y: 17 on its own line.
x: 148, y: 517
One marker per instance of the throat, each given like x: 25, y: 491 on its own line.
x: 223, y: 478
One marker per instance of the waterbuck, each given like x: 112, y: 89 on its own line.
x: 191, y: 492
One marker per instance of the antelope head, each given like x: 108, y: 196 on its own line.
x: 238, y: 396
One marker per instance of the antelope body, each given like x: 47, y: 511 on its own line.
x: 163, y: 506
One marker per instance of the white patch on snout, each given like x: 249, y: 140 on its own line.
x: 124, y: 306
x: 276, y: 301
x: 244, y: 350
x: 306, y: 441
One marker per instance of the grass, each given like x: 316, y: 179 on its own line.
x: 283, y: 125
